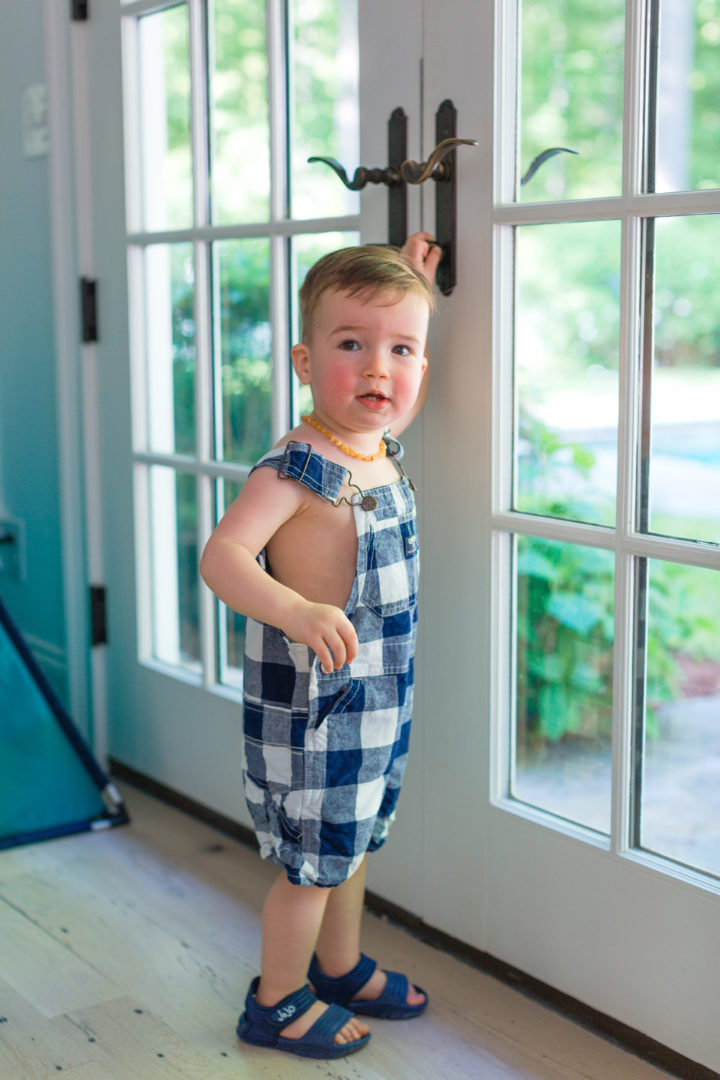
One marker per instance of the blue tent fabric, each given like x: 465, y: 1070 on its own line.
x: 50, y: 783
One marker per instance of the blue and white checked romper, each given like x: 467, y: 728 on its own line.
x: 324, y: 755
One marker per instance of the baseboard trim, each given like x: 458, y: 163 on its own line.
x: 650, y: 1050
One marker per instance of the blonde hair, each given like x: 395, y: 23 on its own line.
x: 368, y: 271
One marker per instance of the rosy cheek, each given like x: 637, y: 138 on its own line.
x: 407, y: 388
x: 341, y: 381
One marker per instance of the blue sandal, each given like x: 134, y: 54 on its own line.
x: 262, y: 1026
x: 392, y: 1003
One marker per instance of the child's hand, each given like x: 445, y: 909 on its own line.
x: 327, y: 630
x: 424, y: 253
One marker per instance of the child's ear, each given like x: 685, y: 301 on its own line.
x: 301, y: 362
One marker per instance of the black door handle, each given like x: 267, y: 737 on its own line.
x: 400, y: 172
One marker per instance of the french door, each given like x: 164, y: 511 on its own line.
x: 567, y: 588
x: 571, y: 694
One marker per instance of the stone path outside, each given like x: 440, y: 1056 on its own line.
x: 681, y: 784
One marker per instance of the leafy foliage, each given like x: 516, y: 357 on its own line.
x: 565, y: 627
x: 564, y: 640
x: 572, y: 85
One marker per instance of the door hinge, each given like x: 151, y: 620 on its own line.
x: 98, y: 615
x: 88, y: 309
x: 79, y: 10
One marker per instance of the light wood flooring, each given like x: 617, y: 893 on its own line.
x: 125, y: 955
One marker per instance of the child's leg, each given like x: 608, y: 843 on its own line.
x: 292, y: 916
x: 338, y: 943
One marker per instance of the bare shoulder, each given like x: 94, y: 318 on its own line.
x: 265, y: 504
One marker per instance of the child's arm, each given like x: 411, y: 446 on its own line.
x: 425, y: 255
x: 229, y: 567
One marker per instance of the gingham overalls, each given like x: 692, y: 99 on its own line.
x: 324, y: 755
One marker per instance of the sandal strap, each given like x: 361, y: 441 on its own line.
x: 290, y: 1008
x: 328, y: 1024
x: 343, y: 987
x: 396, y: 987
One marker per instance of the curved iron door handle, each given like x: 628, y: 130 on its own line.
x: 362, y: 176
x: 402, y: 171
x: 397, y: 188
x: 414, y: 172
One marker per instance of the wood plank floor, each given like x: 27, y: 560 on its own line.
x: 125, y: 955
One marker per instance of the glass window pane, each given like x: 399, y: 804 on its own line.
x: 243, y: 349
x: 685, y: 399
x: 240, y: 125
x: 567, y: 321
x: 325, y: 105
x: 564, y: 673
x: 232, y: 624
x: 688, y: 96
x: 680, y: 807
x: 174, y: 573
x: 305, y: 252
x: 571, y: 96
x: 166, y: 149
x: 170, y: 347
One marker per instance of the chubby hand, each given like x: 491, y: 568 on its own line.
x: 325, y: 629
x: 424, y: 253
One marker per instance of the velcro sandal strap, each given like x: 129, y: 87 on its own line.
x: 291, y: 1007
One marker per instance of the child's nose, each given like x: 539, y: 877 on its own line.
x: 376, y: 366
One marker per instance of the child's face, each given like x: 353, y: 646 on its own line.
x: 364, y: 360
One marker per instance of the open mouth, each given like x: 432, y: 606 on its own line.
x: 373, y: 396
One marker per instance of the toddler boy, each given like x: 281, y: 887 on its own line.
x: 320, y: 552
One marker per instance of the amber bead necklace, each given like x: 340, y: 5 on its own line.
x: 382, y: 449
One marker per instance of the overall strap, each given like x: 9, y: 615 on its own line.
x: 298, y: 461
x: 395, y: 451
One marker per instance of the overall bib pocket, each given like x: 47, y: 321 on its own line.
x: 393, y: 566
